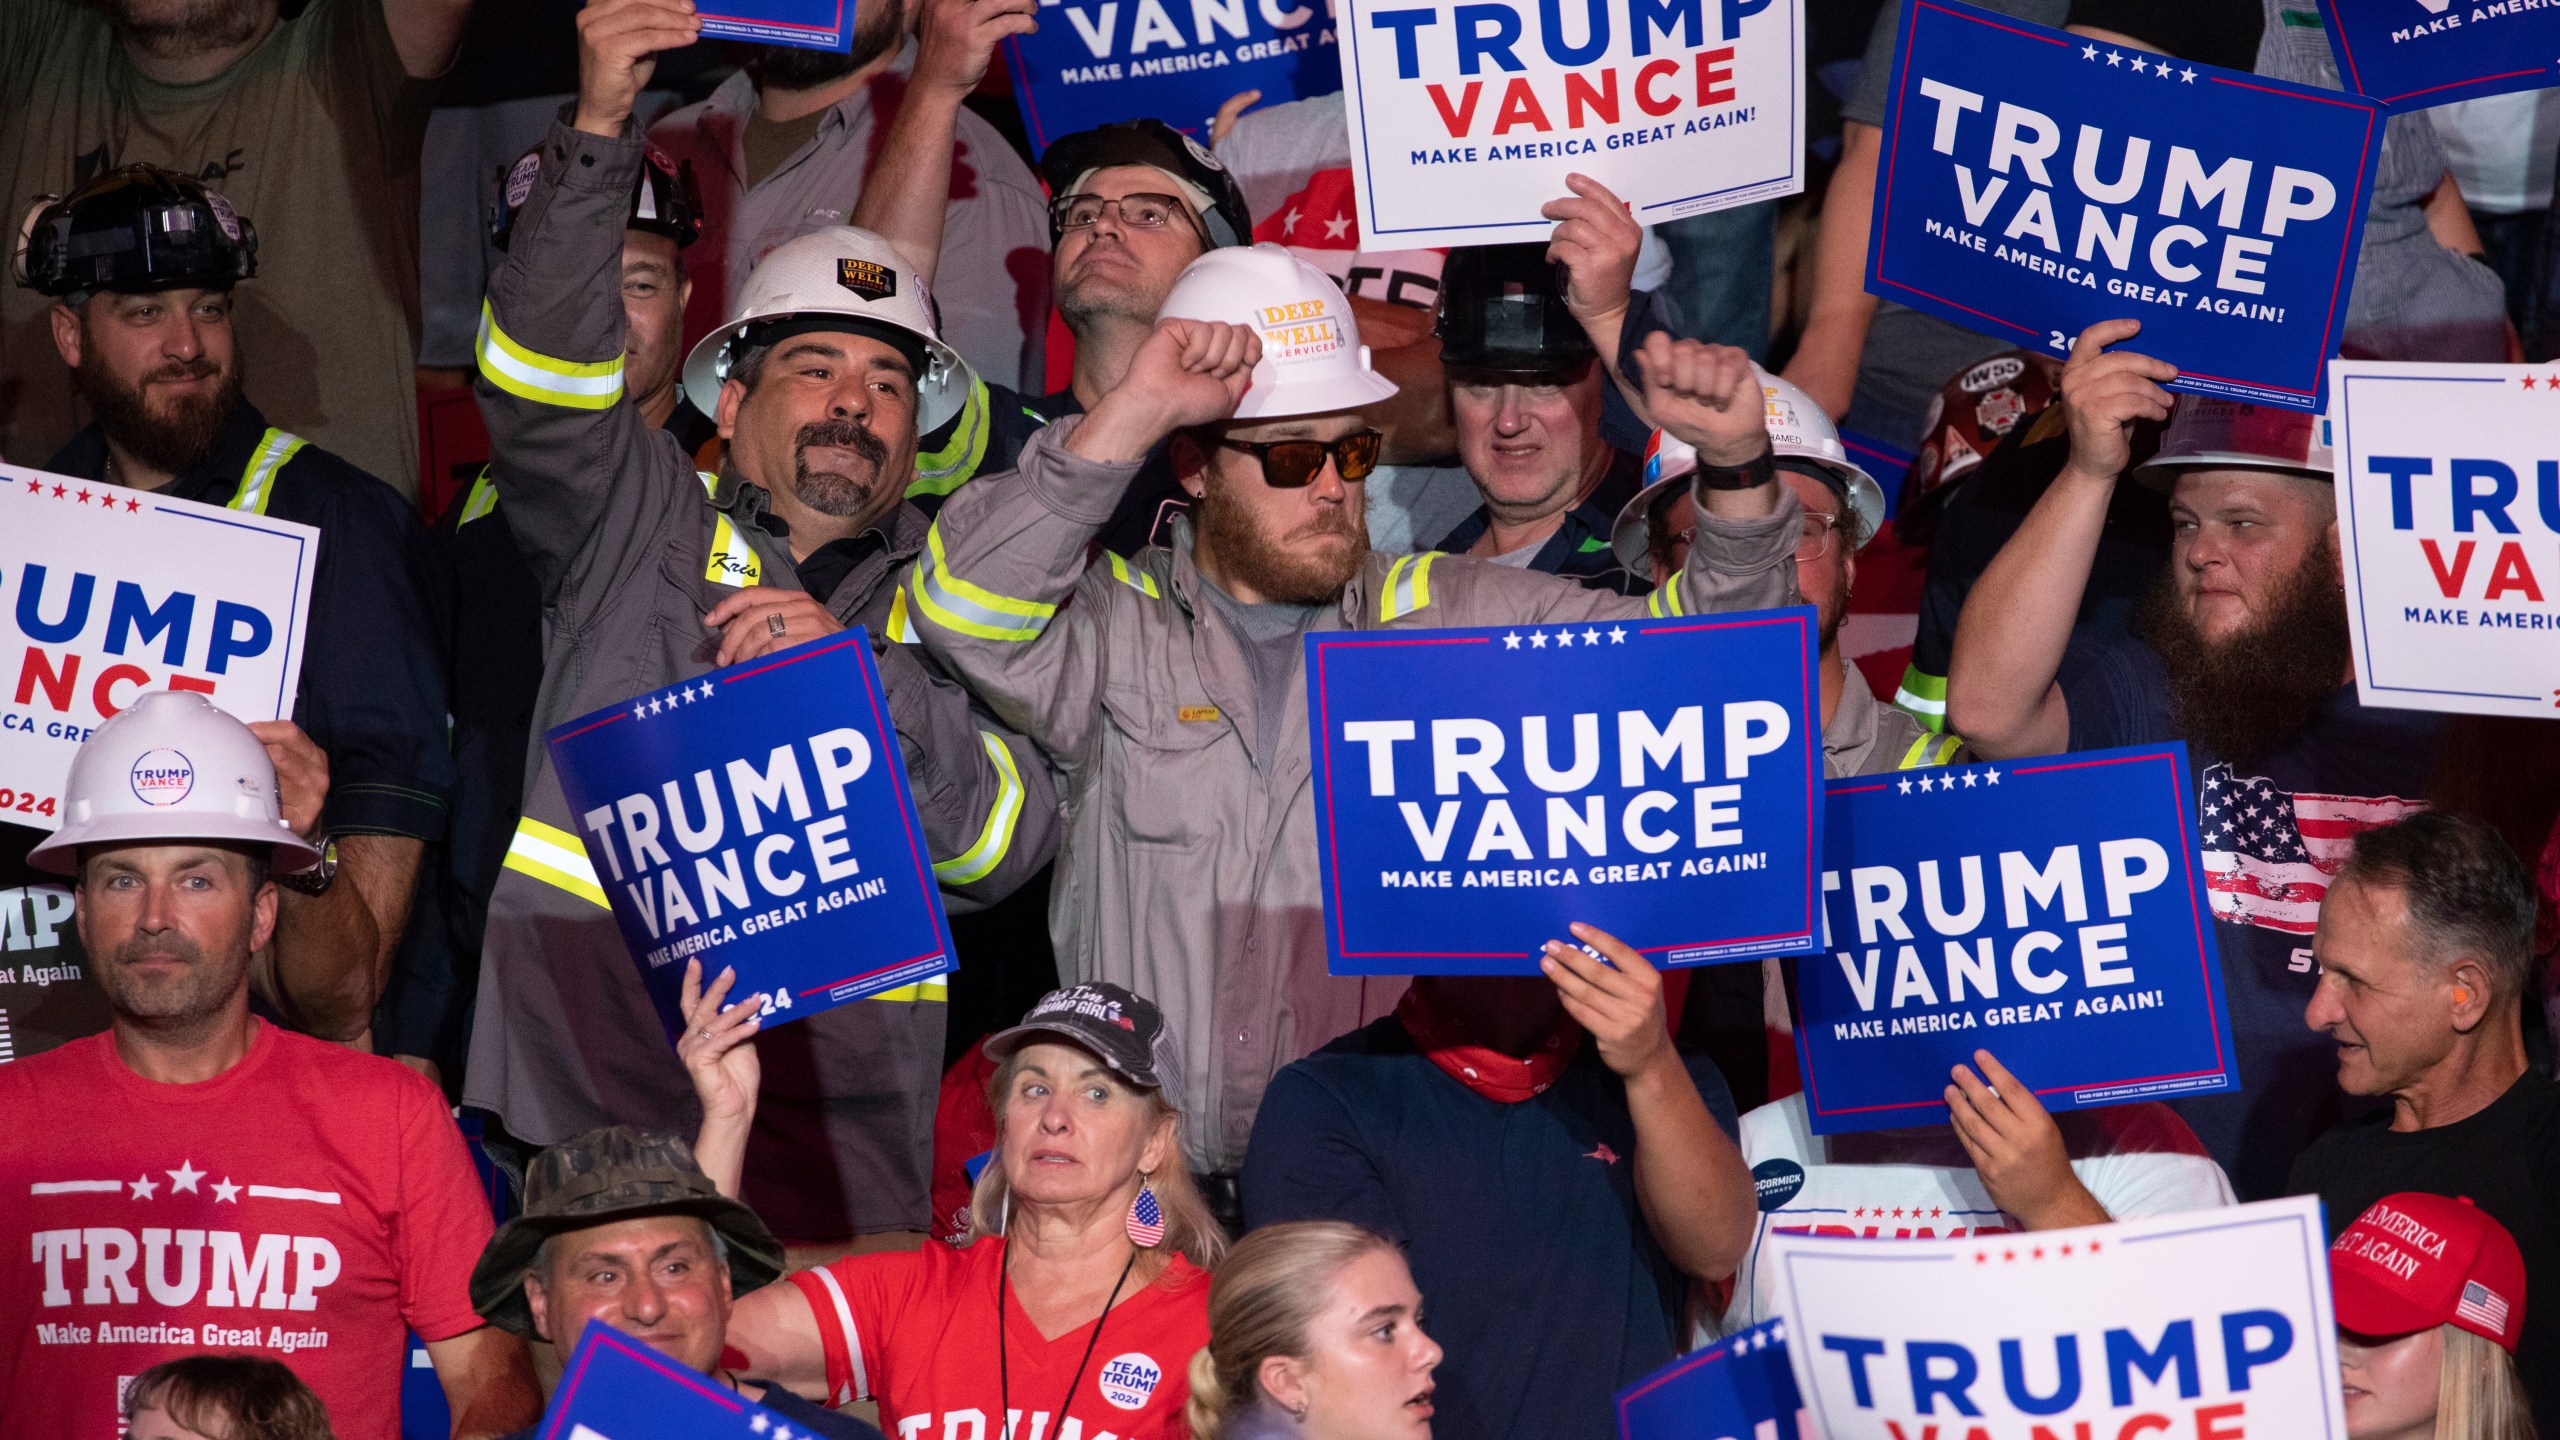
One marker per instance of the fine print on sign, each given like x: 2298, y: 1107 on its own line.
x: 759, y: 817
x: 1465, y: 119
x: 1096, y: 61
x: 2053, y: 912
x: 2449, y: 533
x: 2035, y: 182
x: 805, y: 24
x: 1477, y: 789
x: 615, y: 1388
x: 1743, y: 1387
x: 2411, y: 54
x: 114, y: 592
x: 2213, y: 1325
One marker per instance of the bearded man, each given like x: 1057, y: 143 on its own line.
x: 2241, y: 651
x: 147, y: 273
x: 652, y: 574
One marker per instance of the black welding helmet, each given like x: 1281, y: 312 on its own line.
x: 1502, y: 312
x: 135, y: 230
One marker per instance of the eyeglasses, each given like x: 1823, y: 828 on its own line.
x: 1138, y: 212
x: 1813, y: 544
x: 1294, y: 464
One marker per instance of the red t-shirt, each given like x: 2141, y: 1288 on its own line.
x: 305, y: 1205
x: 916, y: 1331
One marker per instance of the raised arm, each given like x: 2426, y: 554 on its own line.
x: 2002, y: 690
x: 908, y: 190
x: 426, y: 33
x: 1835, y: 328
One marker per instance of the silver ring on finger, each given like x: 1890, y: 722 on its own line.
x: 774, y: 624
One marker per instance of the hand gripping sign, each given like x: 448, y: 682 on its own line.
x: 615, y: 1388
x: 1466, y: 115
x: 805, y: 24
x: 1477, y: 789
x: 111, y: 592
x: 759, y: 817
x: 2051, y: 911
x: 1096, y: 61
x: 2034, y: 183
x: 2411, y: 54
x: 2449, y: 533
x: 1740, y: 1388
x: 2213, y: 1325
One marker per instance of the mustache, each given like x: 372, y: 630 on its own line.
x: 196, y: 369
x: 162, y: 947
x: 841, y: 435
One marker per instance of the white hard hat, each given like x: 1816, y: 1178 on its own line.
x: 171, y: 766
x: 2207, y: 432
x: 1798, y: 430
x: 1312, y: 358
x: 847, y: 272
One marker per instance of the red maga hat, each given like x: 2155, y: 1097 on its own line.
x: 2414, y: 1260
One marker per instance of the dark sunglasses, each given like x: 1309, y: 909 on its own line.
x: 1294, y: 464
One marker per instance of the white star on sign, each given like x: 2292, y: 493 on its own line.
x: 2188, y: 74
x: 639, y: 712
x: 1617, y: 636
x: 1337, y: 227
x: 1511, y: 642
x: 224, y: 1190
x: 2115, y: 57
x: 1990, y: 777
x: 2160, y: 68
x: 2089, y: 52
x: 1906, y: 787
x: 1968, y: 779
x: 144, y: 1188
x: 1564, y: 639
x: 2139, y: 68
x: 1590, y: 637
x: 184, y: 1178
x: 757, y: 1423
x: 1537, y: 640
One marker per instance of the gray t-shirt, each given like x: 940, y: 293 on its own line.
x: 1268, y: 635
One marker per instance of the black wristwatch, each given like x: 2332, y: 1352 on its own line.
x: 1761, y: 469
x: 316, y: 880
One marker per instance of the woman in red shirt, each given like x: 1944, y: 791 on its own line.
x: 1074, y: 1307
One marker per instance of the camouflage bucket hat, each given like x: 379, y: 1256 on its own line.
x: 617, y: 1173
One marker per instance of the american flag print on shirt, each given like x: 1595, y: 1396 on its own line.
x: 2269, y: 854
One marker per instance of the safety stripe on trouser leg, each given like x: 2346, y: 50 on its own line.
x: 556, y: 858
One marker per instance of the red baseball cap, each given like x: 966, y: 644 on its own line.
x: 2415, y: 1260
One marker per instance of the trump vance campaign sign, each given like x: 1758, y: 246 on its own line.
x: 1740, y: 1388
x: 1476, y: 789
x: 2034, y: 183
x: 806, y: 24
x: 111, y: 592
x: 1466, y: 117
x: 2411, y: 54
x: 2213, y: 1325
x: 758, y: 817
x: 2052, y: 911
x: 615, y: 1388
x: 1096, y: 61
x: 2449, y: 533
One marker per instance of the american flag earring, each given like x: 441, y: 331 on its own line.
x: 1146, y: 1217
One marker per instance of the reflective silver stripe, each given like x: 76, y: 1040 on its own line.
x: 956, y: 605
x: 997, y: 838
x: 258, y: 477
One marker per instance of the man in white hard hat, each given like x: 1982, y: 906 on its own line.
x: 2240, y: 649
x: 652, y: 574
x: 195, y: 1127
x: 1168, y: 688
x: 1843, y: 510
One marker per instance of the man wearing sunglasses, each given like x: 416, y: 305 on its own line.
x: 1167, y: 688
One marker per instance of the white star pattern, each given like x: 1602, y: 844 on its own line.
x: 1617, y: 636
x: 1511, y: 642
x: 2188, y: 74
x: 2161, y: 69
x: 1289, y: 222
x: 1590, y: 637
x: 1337, y: 227
x: 1538, y: 641
x: 225, y: 1191
x: 1968, y: 779
x: 2089, y: 52
x: 1990, y: 777
x: 145, y: 1188
x: 758, y: 1423
x: 2139, y: 68
x: 1906, y: 787
x: 184, y: 1178
x: 2115, y: 57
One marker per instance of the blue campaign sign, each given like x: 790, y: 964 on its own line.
x: 615, y: 1388
x: 2051, y: 911
x: 1096, y: 61
x: 808, y: 24
x: 1476, y: 789
x: 759, y: 817
x: 2411, y: 54
x: 2035, y: 183
x: 1740, y: 1388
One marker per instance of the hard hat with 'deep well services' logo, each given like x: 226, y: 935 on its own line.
x: 171, y: 766
x: 844, y: 275
x: 1312, y: 358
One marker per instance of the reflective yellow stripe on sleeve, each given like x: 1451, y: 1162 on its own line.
x: 733, y: 561
x: 529, y: 375
x: 482, y: 499
x: 966, y: 609
x: 555, y: 857
x: 1924, y: 695
x: 1930, y: 751
x: 258, y: 477
x: 1138, y: 580
x: 901, y: 629
x: 1664, y: 602
x: 939, y: 472
x: 981, y: 859
x: 1408, y: 586
x: 936, y: 991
